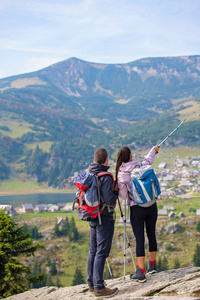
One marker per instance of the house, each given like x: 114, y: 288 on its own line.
x: 181, y: 215
x: 164, y: 195
x: 61, y: 205
x: 169, y: 177
x: 60, y: 221
x: 198, y: 212
x: 163, y: 183
x: 168, y: 207
x: 25, y: 208
x: 179, y: 163
x: 186, y: 184
x: 41, y: 207
x: 162, y: 165
x: 172, y: 215
x: 67, y: 207
x: 9, y: 209
x: 195, y: 163
x: 54, y: 208
x: 177, y: 192
x: 162, y: 212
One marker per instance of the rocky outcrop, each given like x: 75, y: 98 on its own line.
x: 183, y: 284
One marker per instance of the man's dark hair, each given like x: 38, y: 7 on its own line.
x: 100, y: 156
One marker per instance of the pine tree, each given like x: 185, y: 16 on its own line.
x: 49, y: 281
x: 58, y: 284
x: 36, y: 271
x: 34, y: 233
x: 53, y: 269
x: 14, y: 242
x: 65, y: 227
x: 78, y: 277
x: 158, y: 264
x: 176, y: 263
x: 73, y: 232
x: 198, y: 226
x: 162, y: 264
x: 57, y: 230
x: 196, y: 256
x: 48, y: 261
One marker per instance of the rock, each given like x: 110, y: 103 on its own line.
x: 183, y: 284
x: 172, y: 228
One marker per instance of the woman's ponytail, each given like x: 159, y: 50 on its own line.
x: 123, y: 156
x: 119, y: 163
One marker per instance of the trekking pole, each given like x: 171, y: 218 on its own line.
x: 109, y: 269
x: 127, y: 238
x: 124, y: 239
x: 171, y: 133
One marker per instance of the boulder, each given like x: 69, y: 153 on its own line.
x: 177, y: 284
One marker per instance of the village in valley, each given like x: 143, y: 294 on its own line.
x: 186, y: 177
x: 181, y: 181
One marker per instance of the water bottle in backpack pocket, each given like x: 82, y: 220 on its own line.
x: 145, y: 186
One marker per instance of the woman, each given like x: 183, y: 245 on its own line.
x: 138, y: 215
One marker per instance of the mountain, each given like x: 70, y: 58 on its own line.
x: 72, y: 107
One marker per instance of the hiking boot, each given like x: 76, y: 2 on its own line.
x: 151, y: 266
x: 91, y: 289
x: 139, y: 275
x: 106, y: 293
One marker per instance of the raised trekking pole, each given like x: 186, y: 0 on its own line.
x: 109, y: 269
x: 171, y: 133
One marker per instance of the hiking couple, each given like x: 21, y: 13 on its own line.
x: 101, y: 235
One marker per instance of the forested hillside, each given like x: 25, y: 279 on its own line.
x: 52, y: 120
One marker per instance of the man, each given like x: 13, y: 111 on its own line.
x: 101, y: 235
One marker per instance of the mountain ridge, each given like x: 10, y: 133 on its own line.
x: 84, y: 105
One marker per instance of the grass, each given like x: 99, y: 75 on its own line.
x: 17, y: 184
x: 17, y: 127
x: 45, y: 146
x: 169, y: 155
x: 190, y: 113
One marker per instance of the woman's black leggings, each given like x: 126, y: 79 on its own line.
x: 140, y: 216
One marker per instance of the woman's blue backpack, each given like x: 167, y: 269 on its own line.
x: 145, y: 186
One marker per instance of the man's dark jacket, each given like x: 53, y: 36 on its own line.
x: 109, y: 195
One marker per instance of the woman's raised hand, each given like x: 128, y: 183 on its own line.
x: 156, y: 148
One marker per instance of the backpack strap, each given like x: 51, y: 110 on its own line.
x: 102, y: 201
x: 106, y: 173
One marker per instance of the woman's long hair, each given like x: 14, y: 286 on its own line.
x: 123, y: 156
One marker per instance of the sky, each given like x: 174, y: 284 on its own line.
x: 35, y: 34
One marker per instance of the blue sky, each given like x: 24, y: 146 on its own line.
x: 37, y: 33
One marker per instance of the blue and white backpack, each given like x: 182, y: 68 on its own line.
x: 145, y: 186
